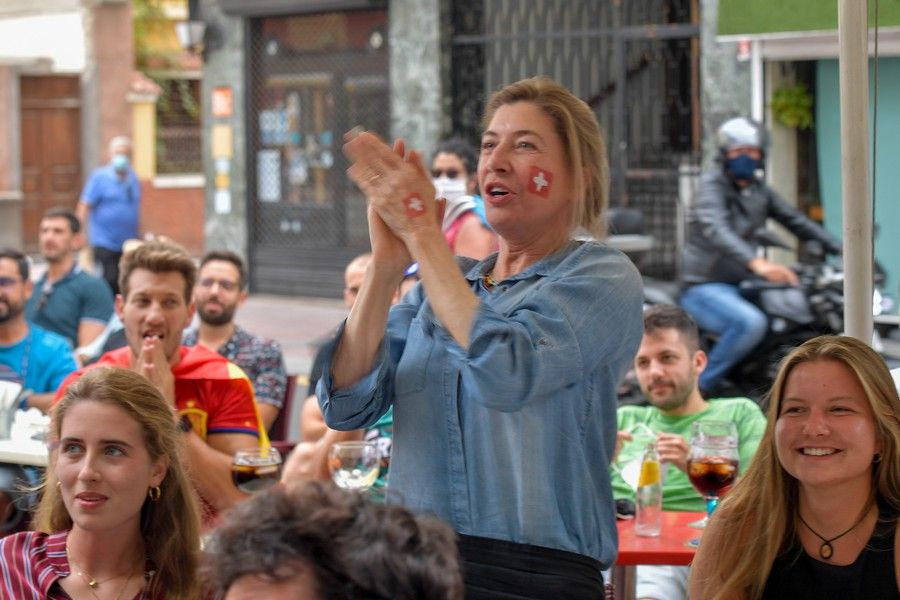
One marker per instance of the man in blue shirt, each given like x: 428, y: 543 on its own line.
x: 69, y: 302
x: 111, y: 203
x: 30, y: 355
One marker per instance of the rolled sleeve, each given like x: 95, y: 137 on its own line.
x: 361, y: 404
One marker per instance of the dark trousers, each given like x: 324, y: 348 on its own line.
x: 497, y: 569
x: 109, y: 266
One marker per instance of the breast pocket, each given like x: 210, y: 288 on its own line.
x: 412, y: 370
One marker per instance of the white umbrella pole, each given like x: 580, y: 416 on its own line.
x: 857, y: 203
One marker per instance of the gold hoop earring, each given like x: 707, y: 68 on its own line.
x: 154, y: 493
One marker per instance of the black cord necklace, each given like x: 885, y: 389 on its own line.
x: 826, y: 550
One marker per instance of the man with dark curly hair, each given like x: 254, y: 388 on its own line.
x: 313, y: 541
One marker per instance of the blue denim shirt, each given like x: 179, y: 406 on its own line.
x: 511, y: 439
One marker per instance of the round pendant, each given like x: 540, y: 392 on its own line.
x: 825, y: 551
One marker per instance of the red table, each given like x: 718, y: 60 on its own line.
x: 669, y: 548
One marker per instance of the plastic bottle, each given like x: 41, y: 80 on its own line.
x: 648, y: 499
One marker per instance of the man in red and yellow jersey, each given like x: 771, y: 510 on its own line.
x: 212, y: 399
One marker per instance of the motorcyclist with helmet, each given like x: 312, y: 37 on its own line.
x: 720, y: 251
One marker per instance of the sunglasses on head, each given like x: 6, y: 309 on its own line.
x: 450, y: 173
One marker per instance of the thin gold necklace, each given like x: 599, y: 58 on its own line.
x: 826, y: 550
x: 92, y: 583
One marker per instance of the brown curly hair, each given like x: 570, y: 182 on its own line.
x: 353, y: 547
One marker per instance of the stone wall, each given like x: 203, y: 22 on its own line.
x: 225, y: 67
x: 415, y: 67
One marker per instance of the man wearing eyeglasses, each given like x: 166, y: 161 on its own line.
x: 220, y: 289
x: 68, y: 301
x: 30, y: 355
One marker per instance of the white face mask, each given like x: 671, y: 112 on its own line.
x: 451, y: 189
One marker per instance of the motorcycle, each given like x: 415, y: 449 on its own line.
x: 795, y: 314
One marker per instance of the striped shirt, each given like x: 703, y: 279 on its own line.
x: 31, y: 563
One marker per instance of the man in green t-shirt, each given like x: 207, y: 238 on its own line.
x: 668, y: 366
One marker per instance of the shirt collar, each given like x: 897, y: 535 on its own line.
x: 75, y: 270
x: 477, y: 270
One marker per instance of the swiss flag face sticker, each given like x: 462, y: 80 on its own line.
x: 539, y: 181
x: 414, y: 206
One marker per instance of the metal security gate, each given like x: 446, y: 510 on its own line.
x: 635, y: 62
x: 312, y: 77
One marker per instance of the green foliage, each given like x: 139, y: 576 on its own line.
x: 792, y: 106
x: 150, y: 22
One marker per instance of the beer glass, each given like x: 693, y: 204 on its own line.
x: 712, y: 463
x: 256, y: 469
x: 354, y: 465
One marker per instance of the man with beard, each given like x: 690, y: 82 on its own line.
x: 668, y: 366
x: 212, y: 399
x: 70, y: 302
x: 222, y: 287
x: 30, y: 355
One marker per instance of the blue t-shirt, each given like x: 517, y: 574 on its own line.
x: 62, y: 306
x: 115, y: 204
x: 43, y: 359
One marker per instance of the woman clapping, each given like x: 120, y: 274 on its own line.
x: 501, y: 373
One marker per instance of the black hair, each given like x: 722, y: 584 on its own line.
x: 461, y: 148
x: 58, y: 212
x: 669, y: 316
x: 227, y: 256
x: 21, y: 261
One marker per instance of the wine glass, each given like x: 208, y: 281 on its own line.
x: 354, y: 465
x: 256, y: 469
x: 712, y: 463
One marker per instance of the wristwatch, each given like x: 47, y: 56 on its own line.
x: 184, y: 424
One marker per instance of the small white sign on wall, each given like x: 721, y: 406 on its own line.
x: 223, y: 201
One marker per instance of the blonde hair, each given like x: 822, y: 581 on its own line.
x: 170, y: 526
x: 755, y: 522
x: 582, y: 138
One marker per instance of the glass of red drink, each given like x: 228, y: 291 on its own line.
x: 256, y: 469
x: 712, y: 464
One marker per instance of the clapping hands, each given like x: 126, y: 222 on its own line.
x: 399, y: 193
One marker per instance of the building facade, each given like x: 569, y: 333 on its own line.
x: 283, y: 81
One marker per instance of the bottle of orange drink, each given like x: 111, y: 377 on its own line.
x: 648, y: 498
